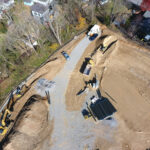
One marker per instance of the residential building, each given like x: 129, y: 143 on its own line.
x: 40, y: 12
x: 136, y: 2
x: 6, y: 4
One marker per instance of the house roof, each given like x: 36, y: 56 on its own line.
x: 39, y: 8
x: 4, y: 1
x: 147, y: 14
x: 136, y: 2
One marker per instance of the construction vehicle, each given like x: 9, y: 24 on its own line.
x: 3, y: 130
x: 14, y: 96
x: 107, y: 42
x: 4, y: 122
x: 5, y: 117
x: 88, y: 67
x: 94, y: 84
x: 94, y: 32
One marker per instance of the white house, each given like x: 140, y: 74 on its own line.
x: 136, y: 2
x: 39, y: 10
x: 6, y: 4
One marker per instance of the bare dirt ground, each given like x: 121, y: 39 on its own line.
x: 125, y: 80
x: 31, y: 122
x: 124, y: 77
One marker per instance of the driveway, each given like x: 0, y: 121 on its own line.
x: 71, y: 131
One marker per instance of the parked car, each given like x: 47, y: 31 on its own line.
x: 102, y: 2
x: 93, y: 37
x: 65, y: 55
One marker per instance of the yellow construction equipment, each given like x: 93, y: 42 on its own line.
x: 91, y: 62
x: 4, y: 118
x: 14, y: 97
x: 4, y: 122
x: 3, y: 130
x: 107, y: 42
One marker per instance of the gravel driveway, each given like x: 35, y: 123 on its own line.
x: 71, y: 131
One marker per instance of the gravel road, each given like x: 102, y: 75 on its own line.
x: 71, y: 131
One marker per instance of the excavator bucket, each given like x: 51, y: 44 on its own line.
x: 3, y: 130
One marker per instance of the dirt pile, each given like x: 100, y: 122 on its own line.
x: 31, y: 125
x: 125, y: 79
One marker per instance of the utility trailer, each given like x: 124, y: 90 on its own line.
x: 88, y: 67
x: 99, y: 109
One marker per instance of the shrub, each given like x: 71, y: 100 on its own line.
x: 82, y: 22
x: 54, y: 46
x: 3, y: 27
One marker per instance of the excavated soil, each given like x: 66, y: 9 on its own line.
x: 125, y: 79
x: 30, y: 129
x: 32, y: 124
x: 123, y: 71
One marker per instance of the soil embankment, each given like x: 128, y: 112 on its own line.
x: 125, y: 80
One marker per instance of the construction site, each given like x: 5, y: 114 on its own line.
x: 92, y: 94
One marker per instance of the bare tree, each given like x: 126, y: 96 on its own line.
x: 56, y: 30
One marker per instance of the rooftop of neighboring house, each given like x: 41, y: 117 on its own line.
x: 136, y: 2
x: 39, y: 8
x: 4, y: 1
x: 147, y: 14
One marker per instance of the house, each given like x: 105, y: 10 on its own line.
x: 147, y: 14
x: 43, y: 2
x: 136, y: 2
x: 39, y: 11
x: 143, y: 5
x: 6, y: 4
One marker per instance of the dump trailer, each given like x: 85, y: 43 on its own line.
x: 88, y: 67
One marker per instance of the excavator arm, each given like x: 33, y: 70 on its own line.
x: 6, y: 115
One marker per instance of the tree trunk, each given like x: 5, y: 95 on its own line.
x: 92, y: 14
x: 56, y: 33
